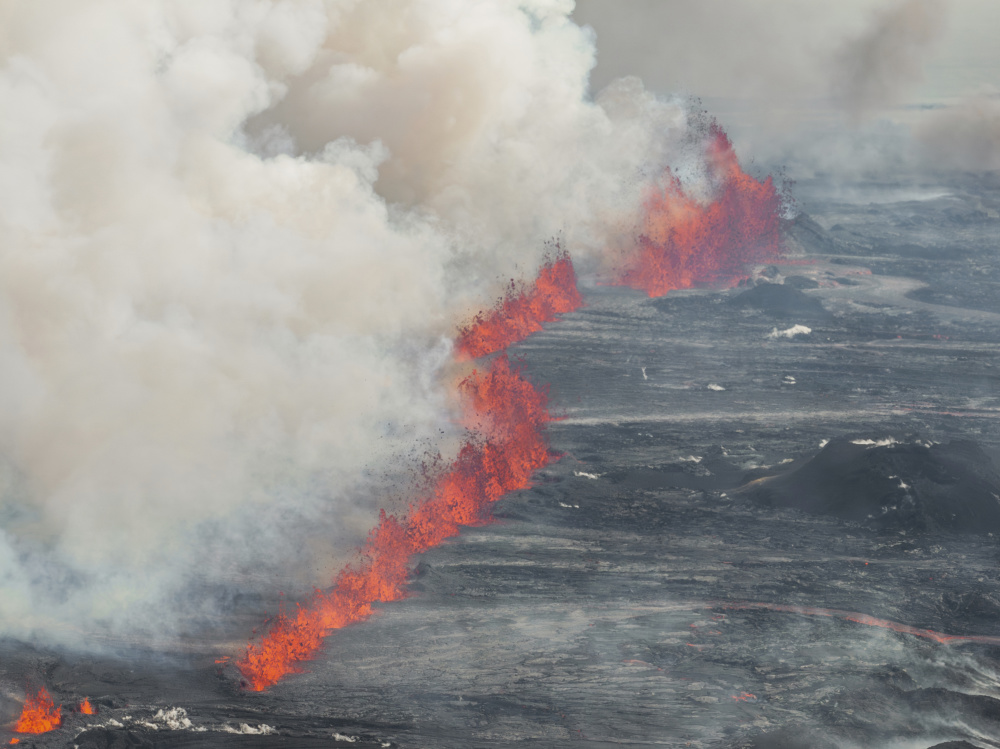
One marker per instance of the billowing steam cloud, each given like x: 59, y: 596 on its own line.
x: 236, y: 239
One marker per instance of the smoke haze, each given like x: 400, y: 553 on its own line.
x: 237, y: 239
x: 844, y: 89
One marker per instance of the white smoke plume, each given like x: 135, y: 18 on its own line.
x: 235, y: 241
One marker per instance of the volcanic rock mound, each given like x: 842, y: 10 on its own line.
x: 780, y: 301
x: 885, y: 484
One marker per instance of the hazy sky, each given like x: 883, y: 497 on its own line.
x: 747, y: 48
x: 847, y: 87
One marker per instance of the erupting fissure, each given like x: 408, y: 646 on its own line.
x: 506, y: 416
x: 522, y: 311
x: 684, y: 243
x: 39, y: 714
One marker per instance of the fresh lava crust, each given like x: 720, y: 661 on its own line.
x: 684, y: 243
x: 39, y: 714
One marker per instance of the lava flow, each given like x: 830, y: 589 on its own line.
x: 86, y: 708
x: 39, y: 714
x: 522, y: 311
x: 685, y: 243
x: 870, y: 621
x: 506, y: 417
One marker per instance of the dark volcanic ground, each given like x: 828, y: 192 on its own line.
x: 607, y: 605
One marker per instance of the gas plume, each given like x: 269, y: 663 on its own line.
x: 877, y: 66
x: 965, y: 136
x: 235, y: 243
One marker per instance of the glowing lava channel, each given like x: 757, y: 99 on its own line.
x: 684, y: 243
x: 868, y: 621
x: 39, y: 714
x: 506, y: 416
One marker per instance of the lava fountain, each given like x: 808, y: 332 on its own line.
x: 685, y: 243
x: 506, y: 417
x: 522, y: 311
x: 39, y: 714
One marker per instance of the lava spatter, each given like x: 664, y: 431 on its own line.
x: 522, y: 311
x: 684, y: 243
x: 40, y: 714
x: 506, y: 444
x: 505, y: 416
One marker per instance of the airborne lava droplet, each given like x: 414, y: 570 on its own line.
x: 685, y: 243
x: 39, y: 714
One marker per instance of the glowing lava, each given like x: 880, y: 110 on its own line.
x: 869, y: 621
x: 506, y: 445
x: 685, y: 243
x: 39, y: 714
x: 86, y: 708
x: 522, y: 311
x: 505, y: 416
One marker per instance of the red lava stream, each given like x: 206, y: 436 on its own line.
x: 870, y: 621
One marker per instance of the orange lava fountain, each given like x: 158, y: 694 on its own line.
x: 685, y: 243
x: 506, y: 417
x: 522, y: 311
x: 505, y: 447
x: 39, y: 714
x: 86, y: 708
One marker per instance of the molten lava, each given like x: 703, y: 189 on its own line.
x: 685, y: 243
x: 507, y: 443
x: 39, y: 714
x: 869, y: 621
x: 522, y: 311
x: 86, y: 708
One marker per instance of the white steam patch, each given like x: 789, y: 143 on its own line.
x: 789, y: 332
x: 235, y: 242
x: 884, y: 442
x: 246, y: 729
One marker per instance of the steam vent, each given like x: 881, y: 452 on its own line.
x: 509, y: 373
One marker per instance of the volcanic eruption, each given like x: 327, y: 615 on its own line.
x: 388, y: 306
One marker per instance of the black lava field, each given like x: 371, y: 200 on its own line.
x: 775, y: 524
